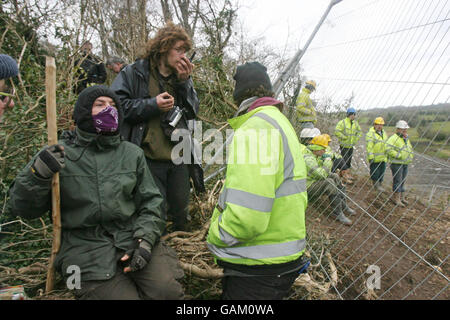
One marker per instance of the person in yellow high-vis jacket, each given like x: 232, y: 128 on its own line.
x: 376, y: 152
x: 348, y: 133
x: 321, y: 180
x: 400, y: 154
x: 257, y: 231
x: 306, y: 112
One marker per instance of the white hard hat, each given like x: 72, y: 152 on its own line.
x: 309, y: 133
x: 402, y: 124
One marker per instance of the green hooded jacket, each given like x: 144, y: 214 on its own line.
x: 108, y: 199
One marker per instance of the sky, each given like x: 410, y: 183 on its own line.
x: 381, y: 52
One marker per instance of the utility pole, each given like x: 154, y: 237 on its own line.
x: 287, y: 72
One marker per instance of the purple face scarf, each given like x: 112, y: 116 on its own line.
x: 106, y: 120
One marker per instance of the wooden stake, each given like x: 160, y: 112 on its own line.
x: 50, y: 91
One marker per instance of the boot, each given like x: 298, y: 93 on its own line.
x: 336, y: 203
x: 403, y: 199
x: 346, y: 208
x: 346, y: 177
x: 397, y: 200
x: 377, y: 186
x: 343, y: 219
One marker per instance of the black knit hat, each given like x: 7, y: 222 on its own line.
x: 8, y: 67
x: 251, y: 75
x: 82, y: 113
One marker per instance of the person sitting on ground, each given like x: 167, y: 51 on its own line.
x: 111, y: 212
x: 8, y: 69
x: 321, y: 180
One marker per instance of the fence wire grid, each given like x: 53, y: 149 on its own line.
x: 398, y: 57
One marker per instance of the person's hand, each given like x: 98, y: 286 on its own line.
x: 5, y: 101
x: 165, y: 101
x: 137, y: 259
x: 184, y: 68
x: 49, y: 161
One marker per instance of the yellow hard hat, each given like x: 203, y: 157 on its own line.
x: 321, y: 140
x: 312, y: 83
x: 327, y: 136
x: 379, y: 120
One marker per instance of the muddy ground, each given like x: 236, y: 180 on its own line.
x: 392, y: 238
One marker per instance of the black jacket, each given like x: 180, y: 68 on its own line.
x: 94, y: 72
x: 132, y: 87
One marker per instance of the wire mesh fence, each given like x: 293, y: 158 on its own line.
x: 393, y: 63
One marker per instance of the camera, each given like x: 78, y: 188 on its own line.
x: 175, y: 116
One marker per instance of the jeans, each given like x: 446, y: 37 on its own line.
x: 347, y: 154
x: 173, y: 183
x: 399, y: 173
x: 377, y: 170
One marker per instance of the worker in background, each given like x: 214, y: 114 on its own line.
x: 400, y: 155
x: 376, y: 153
x: 306, y: 112
x: 348, y: 133
x: 257, y: 232
x: 322, y: 181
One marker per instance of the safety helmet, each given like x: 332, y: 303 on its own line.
x: 402, y: 124
x: 327, y: 136
x: 311, y: 83
x: 351, y: 110
x: 320, y: 140
x: 309, y: 133
x: 378, y: 120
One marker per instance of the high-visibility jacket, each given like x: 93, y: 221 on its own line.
x: 348, y: 132
x: 376, y: 146
x: 316, y: 168
x: 260, y: 215
x: 333, y: 155
x: 305, y: 107
x: 399, y: 151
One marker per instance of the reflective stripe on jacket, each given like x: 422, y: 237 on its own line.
x: 348, y: 132
x: 398, y: 151
x: 376, y: 146
x: 305, y: 107
x: 260, y: 215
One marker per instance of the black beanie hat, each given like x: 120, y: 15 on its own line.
x: 250, y: 76
x: 82, y: 114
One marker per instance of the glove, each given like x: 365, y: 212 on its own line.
x: 49, y: 161
x: 325, y: 156
x: 137, y: 257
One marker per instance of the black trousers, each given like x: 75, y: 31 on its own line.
x: 347, y: 154
x: 257, y: 287
x: 173, y: 183
x: 377, y: 170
